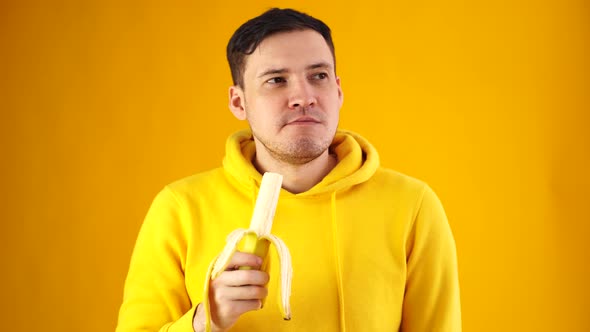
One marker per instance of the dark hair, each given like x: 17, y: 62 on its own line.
x: 248, y: 36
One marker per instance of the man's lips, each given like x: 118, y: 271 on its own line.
x: 303, y: 120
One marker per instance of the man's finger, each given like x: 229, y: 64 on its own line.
x: 241, y: 278
x: 240, y: 259
x: 242, y: 293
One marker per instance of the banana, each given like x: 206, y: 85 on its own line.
x: 257, y: 240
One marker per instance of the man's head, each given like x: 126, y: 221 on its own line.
x: 247, y: 38
x: 289, y: 92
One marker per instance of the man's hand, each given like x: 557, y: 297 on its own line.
x: 234, y: 293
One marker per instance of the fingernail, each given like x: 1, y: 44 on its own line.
x: 258, y: 260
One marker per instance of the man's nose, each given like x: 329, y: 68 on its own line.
x: 301, y: 94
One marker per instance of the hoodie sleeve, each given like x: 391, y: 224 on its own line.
x: 155, y: 296
x: 431, y: 301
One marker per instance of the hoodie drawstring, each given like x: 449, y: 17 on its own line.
x: 338, y: 264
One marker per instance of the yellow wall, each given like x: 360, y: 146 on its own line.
x: 104, y: 102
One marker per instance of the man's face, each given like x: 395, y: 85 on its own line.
x: 291, y: 96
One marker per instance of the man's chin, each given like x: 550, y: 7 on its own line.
x: 304, y: 150
x: 297, y: 149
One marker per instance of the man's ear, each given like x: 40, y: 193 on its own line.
x: 340, y: 94
x: 236, y: 102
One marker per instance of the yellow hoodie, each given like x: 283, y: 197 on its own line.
x: 371, y: 248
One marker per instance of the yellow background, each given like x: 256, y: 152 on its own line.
x: 104, y: 102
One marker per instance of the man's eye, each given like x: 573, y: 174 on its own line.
x: 276, y: 80
x: 320, y: 76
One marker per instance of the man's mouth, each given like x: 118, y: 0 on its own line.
x: 303, y: 120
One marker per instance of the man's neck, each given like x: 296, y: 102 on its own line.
x: 296, y: 178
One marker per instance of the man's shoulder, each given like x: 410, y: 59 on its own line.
x: 401, y: 188
x: 198, y: 181
x: 391, y: 178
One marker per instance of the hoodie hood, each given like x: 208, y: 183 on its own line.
x: 357, y: 162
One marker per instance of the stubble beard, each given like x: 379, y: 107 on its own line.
x: 296, y: 152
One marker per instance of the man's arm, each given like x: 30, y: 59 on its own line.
x: 155, y: 296
x: 431, y: 301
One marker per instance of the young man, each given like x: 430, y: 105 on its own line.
x: 371, y: 248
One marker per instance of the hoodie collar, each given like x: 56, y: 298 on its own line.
x: 357, y: 162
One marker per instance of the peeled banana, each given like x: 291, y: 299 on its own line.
x: 257, y: 240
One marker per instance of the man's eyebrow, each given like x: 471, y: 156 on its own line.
x: 275, y: 71
x: 272, y: 71
x: 326, y: 65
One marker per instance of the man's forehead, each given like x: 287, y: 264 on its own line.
x: 260, y: 69
x: 292, y: 39
x: 294, y: 50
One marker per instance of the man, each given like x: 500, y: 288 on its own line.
x: 371, y: 248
